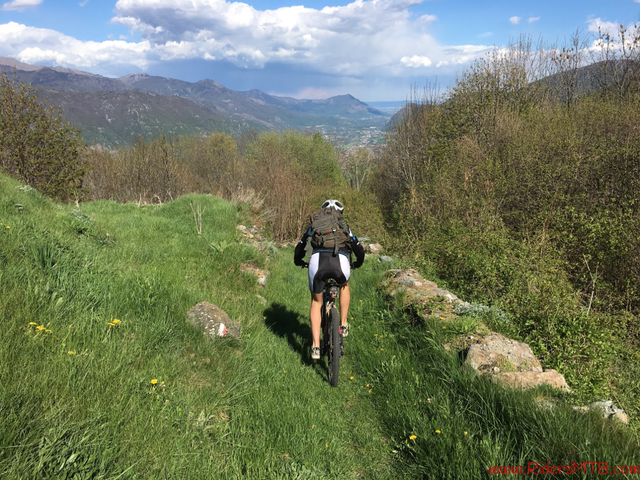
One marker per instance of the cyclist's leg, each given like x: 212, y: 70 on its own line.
x: 345, y: 293
x: 345, y: 299
x: 315, y: 316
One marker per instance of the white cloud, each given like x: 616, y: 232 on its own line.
x: 83, y: 3
x: 515, y: 20
x: 535, y: 19
x: 353, y: 39
x: 41, y: 45
x: 21, y: 4
x: 416, y: 61
x: 363, y: 39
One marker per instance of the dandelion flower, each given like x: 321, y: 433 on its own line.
x: 32, y: 323
x: 465, y: 433
x: 367, y: 385
x: 326, y: 445
x: 70, y: 352
x: 360, y: 300
x: 382, y: 349
x: 10, y: 227
x: 375, y: 334
x: 369, y: 391
x: 444, y: 327
x: 111, y: 324
x: 438, y: 432
x: 115, y: 320
x: 154, y: 381
x: 40, y: 327
x: 48, y: 331
x: 413, y: 437
x: 350, y: 378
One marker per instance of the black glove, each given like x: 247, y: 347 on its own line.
x: 299, y: 262
x: 356, y: 264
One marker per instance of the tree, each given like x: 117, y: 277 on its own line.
x: 36, y: 145
x: 358, y: 166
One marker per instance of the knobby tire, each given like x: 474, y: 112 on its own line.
x: 334, y: 346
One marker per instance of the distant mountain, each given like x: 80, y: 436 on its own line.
x: 345, y: 106
x: 116, y: 118
x: 111, y: 110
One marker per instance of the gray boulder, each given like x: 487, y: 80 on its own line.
x: 385, y: 259
x: 213, y: 321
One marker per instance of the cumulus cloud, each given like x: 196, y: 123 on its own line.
x: 365, y: 38
x: 515, y: 20
x: 416, y: 61
x: 41, y: 45
x: 352, y: 39
x: 21, y: 4
x: 533, y: 19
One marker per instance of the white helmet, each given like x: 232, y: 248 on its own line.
x: 333, y: 204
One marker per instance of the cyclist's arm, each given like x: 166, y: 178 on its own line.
x: 300, y: 249
x: 358, y: 251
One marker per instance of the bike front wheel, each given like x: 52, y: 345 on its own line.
x: 334, y: 346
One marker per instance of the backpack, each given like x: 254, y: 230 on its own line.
x: 329, y: 230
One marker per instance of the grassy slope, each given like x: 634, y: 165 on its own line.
x: 259, y: 408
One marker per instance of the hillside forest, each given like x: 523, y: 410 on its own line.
x: 517, y: 189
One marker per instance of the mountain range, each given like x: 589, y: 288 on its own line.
x: 113, y: 111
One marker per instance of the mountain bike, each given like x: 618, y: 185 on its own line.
x: 331, y: 344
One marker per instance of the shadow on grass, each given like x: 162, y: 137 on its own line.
x: 290, y: 325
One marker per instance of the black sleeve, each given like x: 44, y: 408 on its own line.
x: 358, y: 250
x: 300, y: 252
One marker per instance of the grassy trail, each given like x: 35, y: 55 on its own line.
x: 102, y: 378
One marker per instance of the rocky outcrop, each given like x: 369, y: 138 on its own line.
x: 608, y: 411
x: 531, y: 379
x: 496, y: 353
x: 416, y: 287
x: 213, y: 321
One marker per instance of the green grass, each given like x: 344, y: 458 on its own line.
x: 259, y: 408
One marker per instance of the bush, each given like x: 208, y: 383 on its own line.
x: 36, y: 145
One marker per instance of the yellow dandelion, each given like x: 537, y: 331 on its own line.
x: 70, y: 352
x: 438, y: 432
x: 0, y: 223
x: 10, y: 227
x: 382, y: 349
x: 444, y: 327
x: 375, y: 334
x: 115, y: 320
x: 413, y: 437
x: 350, y: 378
x: 154, y: 381
x: 369, y: 391
x: 111, y: 324
x: 48, y: 331
x: 326, y: 445
x: 284, y: 371
x: 367, y: 385
x: 360, y: 300
x: 40, y: 327
x: 465, y: 433
x: 32, y: 323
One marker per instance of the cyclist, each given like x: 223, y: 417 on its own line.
x: 326, y: 263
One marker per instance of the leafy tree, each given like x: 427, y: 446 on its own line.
x: 36, y: 145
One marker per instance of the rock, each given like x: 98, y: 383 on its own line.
x: 241, y: 228
x: 385, y: 259
x: 508, y: 355
x: 261, y: 275
x: 213, y: 320
x: 364, y: 239
x: 532, y: 379
x: 411, y: 281
x: 609, y: 411
x: 373, y: 248
x: 262, y: 299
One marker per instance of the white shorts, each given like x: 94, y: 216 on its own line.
x: 323, y: 266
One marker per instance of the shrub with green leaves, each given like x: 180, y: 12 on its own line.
x: 36, y: 145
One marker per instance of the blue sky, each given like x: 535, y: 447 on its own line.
x: 375, y: 50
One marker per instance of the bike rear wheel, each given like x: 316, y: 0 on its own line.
x: 334, y: 346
